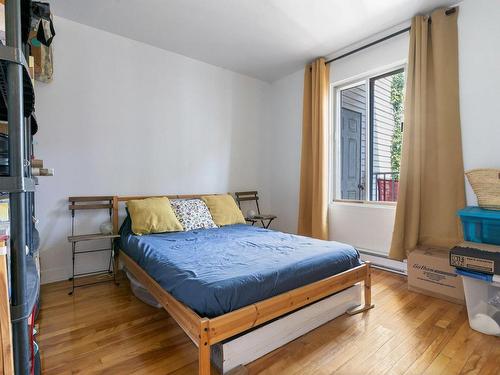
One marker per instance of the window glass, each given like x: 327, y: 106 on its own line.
x: 353, y: 142
x: 371, y: 125
x: 387, y: 119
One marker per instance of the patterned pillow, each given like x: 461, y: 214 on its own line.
x: 192, y: 214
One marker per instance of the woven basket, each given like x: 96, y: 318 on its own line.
x: 486, y: 186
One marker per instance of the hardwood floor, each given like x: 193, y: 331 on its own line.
x: 104, y: 329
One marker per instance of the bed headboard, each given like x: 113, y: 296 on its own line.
x: 117, y: 199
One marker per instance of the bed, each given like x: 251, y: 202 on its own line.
x: 217, y: 283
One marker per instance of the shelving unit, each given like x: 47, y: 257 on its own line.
x: 16, y: 107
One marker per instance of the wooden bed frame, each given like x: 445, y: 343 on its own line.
x: 205, y: 332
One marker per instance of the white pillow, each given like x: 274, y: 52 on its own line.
x: 192, y: 214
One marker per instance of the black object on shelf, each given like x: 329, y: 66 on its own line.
x: 4, y: 166
x: 8, y: 56
x: 26, y: 16
x: 34, y: 124
x: 4, y: 155
x: 33, y: 292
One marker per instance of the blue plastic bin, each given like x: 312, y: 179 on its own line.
x: 480, y: 225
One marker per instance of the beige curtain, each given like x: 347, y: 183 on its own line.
x: 313, y: 202
x: 432, y: 172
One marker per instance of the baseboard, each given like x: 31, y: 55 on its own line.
x: 383, y: 262
x: 53, y: 275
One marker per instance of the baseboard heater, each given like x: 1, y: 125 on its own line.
x: 252, y: 345
x: 383, y: 262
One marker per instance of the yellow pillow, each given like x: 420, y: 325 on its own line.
x: 224, y: 209
x: 153, y: 215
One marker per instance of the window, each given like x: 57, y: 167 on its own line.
x: 370, y: 129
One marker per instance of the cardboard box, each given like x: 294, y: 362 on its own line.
x: 476, y: 257
x: 430, y: 273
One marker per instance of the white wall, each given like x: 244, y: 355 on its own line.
x: 282, y: 150
x: 370, y: 227
x: 479, y: 34
x: 184, y: 126
x: 123, y: 117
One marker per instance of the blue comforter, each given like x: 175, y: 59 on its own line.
x: 215, y: 271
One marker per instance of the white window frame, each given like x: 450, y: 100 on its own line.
x: 335, y: 119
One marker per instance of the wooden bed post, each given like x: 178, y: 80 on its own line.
x: 368, y: 285
x: 203, y: 349
x: 368, y: 293
x: 116, y: 260
x: 115, y: 215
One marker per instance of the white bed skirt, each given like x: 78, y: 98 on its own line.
x: 257, y: 343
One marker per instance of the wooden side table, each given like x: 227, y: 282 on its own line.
x: 91, y: 203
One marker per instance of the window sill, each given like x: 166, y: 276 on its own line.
x: 371, y: 204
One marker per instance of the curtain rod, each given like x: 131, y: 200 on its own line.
x: 370, y: 44
x: 447, y: 12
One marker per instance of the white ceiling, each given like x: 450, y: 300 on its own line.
x: 265, y: 39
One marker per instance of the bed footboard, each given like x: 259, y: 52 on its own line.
x: 205, y: 332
